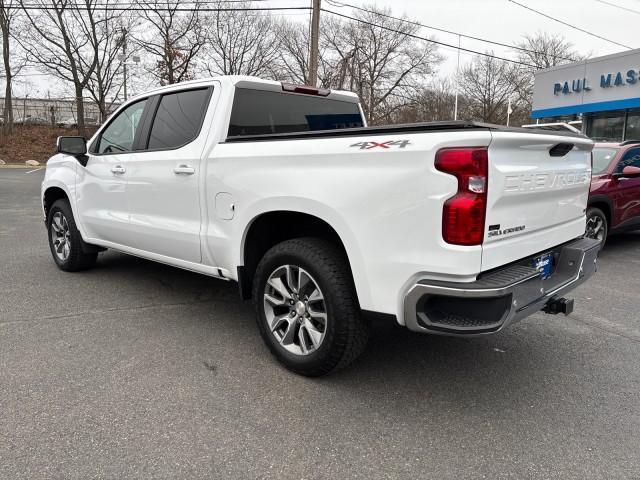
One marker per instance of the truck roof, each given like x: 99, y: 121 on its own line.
x: 247, y: 81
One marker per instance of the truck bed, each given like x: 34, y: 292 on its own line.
x: 423, y: 127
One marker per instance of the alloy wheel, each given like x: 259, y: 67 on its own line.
x: 595, y: 227
x: 60, y: 236
x: 295, y: 310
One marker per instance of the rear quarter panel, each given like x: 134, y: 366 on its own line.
x: 385, y: 203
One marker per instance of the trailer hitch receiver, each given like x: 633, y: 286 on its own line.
x: 559, y: 305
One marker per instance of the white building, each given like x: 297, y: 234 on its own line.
x: 603, y: 91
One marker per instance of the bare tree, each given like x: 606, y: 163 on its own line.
x: 542, y: 51
x: 109, y: 50
x: 433, y: 102
x: 486, y: 85
x: 240, y: 42
x: 60, y: 38
x: 8, y: 13
x: 294, y: 51
x: 293, y: 55
x: 377, y: 57
x: 176, y: 36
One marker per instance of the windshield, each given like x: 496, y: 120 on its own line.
x: 602, y: 158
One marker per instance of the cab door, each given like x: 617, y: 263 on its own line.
x: 163, y: 187
x: 101, y: 186
x: 626, y: 198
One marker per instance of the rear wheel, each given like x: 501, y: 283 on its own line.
x: 68, y: 249
x: 307, y: 308
x: 597, y: 227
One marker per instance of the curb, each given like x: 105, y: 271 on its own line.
x: 21, y: 166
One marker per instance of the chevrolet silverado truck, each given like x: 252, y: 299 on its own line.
x: 454, y: 228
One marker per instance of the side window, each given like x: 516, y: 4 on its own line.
x: 121, y: 131
x: 178, y: 119
x: 630, y: 159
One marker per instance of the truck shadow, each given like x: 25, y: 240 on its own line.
x: 399, y: 368
x: 529, y: 370
x: 623, y: 243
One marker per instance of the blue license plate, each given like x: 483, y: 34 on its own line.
x: 544, y: 264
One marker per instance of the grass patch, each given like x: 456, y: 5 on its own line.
x: 32, y: 142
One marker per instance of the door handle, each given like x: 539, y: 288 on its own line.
x: 118, y: 170
x: 184, y: 170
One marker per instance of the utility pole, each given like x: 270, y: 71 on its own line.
x: 315, y: 28
x: 455, y: 108
x: 124, y: 60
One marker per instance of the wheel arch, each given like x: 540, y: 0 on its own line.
x: 272, y: 227
x: 50, y: 195
x: 52, y: 190
x: 603, y: 203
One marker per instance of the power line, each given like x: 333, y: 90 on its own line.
x: 569, y: 25
x: 117, y: 4
x: 425, y: 39
x: 117, y: 8
x: 637, y: 12
x: 444, y: 30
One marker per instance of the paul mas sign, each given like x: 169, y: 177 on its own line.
x: 594, y: 85
x: 607, y: 80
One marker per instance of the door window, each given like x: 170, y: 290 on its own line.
x: 178, y: 119
x: 630, y: 159
x: 121, y: 131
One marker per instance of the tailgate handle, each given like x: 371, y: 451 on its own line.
x: 561, y: 149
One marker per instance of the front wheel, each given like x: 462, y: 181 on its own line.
x: 307, y: 308
x: 68, y: 249
x: 597, y: 227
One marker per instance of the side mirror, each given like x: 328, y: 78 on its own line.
x: 630, y: 171
x: 71, y: 145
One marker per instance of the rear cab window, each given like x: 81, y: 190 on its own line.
x: 263, y: 112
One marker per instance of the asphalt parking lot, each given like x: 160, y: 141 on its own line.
x: 139, y: 370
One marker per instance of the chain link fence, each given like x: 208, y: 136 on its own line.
x: 59, y: 112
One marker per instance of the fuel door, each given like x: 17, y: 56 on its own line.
x: 225, y: 208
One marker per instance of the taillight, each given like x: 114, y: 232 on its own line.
x: 464, y: 214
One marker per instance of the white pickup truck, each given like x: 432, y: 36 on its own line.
x: 453, y: 228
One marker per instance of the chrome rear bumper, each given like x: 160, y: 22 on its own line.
x: 499, y: 297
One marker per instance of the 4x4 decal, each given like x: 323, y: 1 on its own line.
x: 387, y: 144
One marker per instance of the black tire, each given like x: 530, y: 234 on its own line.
x: 346, y: 332
x: 81, y: 255
x: 596, y: 217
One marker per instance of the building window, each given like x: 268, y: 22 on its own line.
x: 632, y: 131
x: 608, y: 128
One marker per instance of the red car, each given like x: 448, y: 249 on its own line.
x: 614, y: 199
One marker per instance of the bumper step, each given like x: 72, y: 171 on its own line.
x: 499, y: 297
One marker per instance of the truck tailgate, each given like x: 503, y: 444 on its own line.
x: 537, y: 194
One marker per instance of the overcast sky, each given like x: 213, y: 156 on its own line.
x: 502, y: 21
x: 498, y: 20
